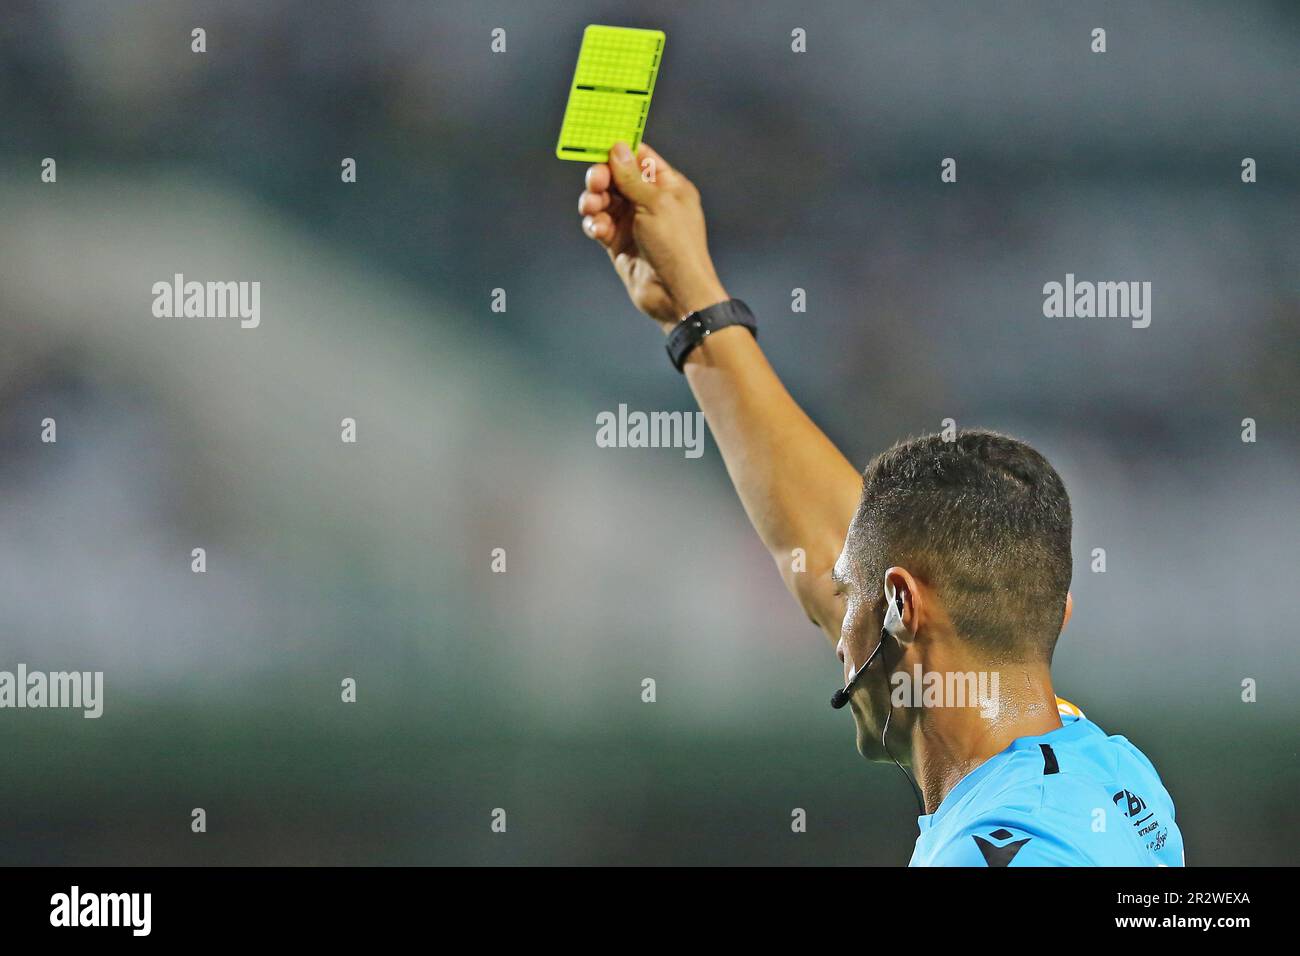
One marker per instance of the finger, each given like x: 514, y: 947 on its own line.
x: 623, y: 266
x: 654, y: 166
x: 613, y: 232
x: 590, y: 203
x: 599, y: 227
x: 627, y: 175
x: 598, y: 178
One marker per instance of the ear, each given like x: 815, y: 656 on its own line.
x: 1069, y: 609
x: 902, y: 624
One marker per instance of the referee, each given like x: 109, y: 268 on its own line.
x: 944, y: 567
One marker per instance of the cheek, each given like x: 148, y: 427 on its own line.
x: 866, y: 725
x: 856, y: 633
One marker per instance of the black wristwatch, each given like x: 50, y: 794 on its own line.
x: 693, y: 329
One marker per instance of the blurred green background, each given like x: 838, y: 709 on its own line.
x: 476, y: 429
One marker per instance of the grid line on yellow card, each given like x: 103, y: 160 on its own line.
x: 609, y: 99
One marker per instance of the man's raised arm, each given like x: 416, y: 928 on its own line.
x: 797, y: 489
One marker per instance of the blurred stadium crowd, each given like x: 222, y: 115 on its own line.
x: 476, y: 429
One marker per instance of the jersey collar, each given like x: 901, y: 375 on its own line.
x: 1070, y: 730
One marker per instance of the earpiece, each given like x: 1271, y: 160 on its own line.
x: 894, y: 625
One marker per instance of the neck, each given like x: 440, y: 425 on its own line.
x: 950, y: 742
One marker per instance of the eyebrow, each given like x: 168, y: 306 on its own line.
x: 839, y: 578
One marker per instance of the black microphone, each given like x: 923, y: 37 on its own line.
x: 841, y: 696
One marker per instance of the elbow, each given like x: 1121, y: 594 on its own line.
x: 811, y: 585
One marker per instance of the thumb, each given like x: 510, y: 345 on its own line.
x: 627, y: 174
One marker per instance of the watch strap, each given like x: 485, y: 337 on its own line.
x: 696, y: 327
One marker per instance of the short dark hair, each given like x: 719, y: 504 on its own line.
x: 985, y: 520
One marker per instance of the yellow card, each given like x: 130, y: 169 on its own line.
x: 610, y: 97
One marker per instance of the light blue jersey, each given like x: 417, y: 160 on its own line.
x: 1072, y: 797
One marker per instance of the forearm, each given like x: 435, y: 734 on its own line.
x: 799, y: 491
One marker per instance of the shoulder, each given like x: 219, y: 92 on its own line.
x: 1010, y: 840
x: 1022, y: 817
x: 1038, y: 810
